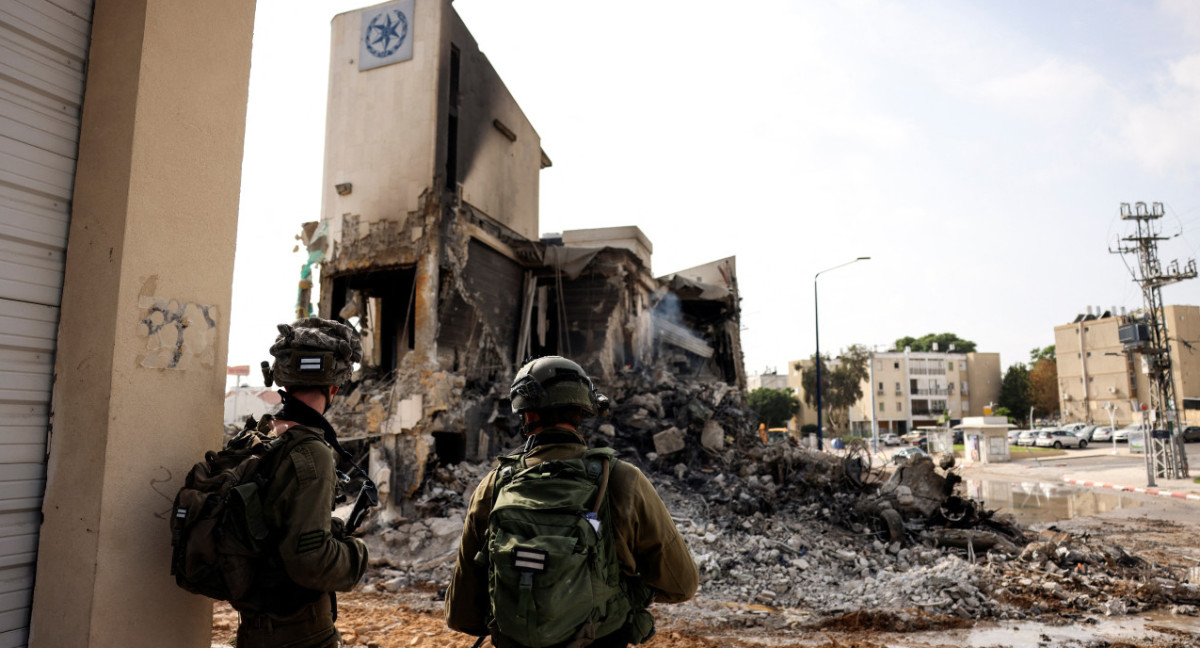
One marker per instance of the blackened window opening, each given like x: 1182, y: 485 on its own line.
x: 392, y: 292
x: 452, y: 122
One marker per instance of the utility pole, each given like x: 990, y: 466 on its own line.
x: 1147, y: 335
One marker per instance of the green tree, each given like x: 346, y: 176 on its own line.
x: 1015, y: 391
x: 944, y: 340
x: 841, y: 383
x: 1040, y: 354
x: 773, y: 406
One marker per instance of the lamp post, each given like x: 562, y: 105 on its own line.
x: 817, y: 327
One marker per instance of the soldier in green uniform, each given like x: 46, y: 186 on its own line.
x: 295, y: 607
x: 552, y: 395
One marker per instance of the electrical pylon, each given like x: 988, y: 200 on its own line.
x: 1147, y: 335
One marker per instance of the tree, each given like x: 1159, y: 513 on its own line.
x: 1043, y: 386
x: 1015, y: 391
x: 841, y: 384
x: 773, y: 406
x: 944, y: 340
x: 1039, y: 354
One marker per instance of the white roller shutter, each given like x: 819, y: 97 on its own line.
x: 43, y: 50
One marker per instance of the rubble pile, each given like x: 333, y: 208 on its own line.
x: 790, y: 528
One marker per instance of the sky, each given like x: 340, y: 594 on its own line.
x: 978, y: 152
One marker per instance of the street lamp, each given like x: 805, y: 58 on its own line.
x: 817, y: 321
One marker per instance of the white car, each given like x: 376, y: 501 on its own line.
x: 1103, y: 433
x: 1122, y: 434
x: 1027, y: 437
x: 890, y: 439
x: 1059, y: 439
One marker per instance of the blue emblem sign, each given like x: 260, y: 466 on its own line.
x: 387, y: 35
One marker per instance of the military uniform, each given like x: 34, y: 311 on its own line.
x: 649, y: 547
x: 311, y: 558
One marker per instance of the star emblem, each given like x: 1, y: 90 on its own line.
x: 386, y: 32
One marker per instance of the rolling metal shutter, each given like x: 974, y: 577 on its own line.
x: 43, y: 51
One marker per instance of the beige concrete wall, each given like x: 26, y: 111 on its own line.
x: 498, y: 176
x: 1184, y: 326
x: 983, y: 382
x: 385, y: 130
x: 1094, y: 372
x: 381, y: 125
x: 629, y: 237
x: 151, y: 241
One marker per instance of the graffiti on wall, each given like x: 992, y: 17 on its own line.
x: 179, y: 335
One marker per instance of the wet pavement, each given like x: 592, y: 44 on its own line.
x: 1032, y: 502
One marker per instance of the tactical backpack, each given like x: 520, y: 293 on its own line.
x: 553, y: 574
x: 218, y: 533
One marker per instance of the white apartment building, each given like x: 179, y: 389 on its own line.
x: 908, y: 389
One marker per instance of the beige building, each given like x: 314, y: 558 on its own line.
x: 908, y: 389
x: 1096, y: 375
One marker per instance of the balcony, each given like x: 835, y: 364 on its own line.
x: 931, y: 392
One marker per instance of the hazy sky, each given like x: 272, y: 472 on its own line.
x: 977, y: 151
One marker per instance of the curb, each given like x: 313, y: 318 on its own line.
x: 1148, y: 491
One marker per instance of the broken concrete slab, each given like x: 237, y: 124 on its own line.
x: 669, y: 441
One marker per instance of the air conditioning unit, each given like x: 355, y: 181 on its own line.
x: 1112, y: 390
x: 1066, y: 396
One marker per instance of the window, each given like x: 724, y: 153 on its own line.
x: 950, y: 366
x: 962, y: 365
x: 899, y: 407
x: 895, y: 365
x: 881, y: 407
x: 898, y: 392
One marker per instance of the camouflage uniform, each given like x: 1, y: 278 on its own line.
x: 312, y: 558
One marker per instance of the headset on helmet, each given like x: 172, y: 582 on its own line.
x: 554, y: 381
x: 313, y: 352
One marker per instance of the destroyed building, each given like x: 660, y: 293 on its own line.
x: 428, y: 244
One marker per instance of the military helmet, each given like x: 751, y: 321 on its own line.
x: 313, y: 352
x: 554, y: 381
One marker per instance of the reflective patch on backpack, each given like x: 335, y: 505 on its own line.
x: 309, y: 540
x: 530, y: 560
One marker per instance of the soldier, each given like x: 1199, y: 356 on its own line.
x: 312, y: 558
x: 552, y: 395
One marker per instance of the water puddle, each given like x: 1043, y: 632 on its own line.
x: 1042, y: 502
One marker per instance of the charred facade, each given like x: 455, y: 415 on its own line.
x: 428, y: 245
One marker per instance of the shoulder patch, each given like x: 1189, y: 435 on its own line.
x: 310, y: 540
x: 306, y: 467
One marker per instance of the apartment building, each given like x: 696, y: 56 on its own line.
x: 909, y: 389
x: 1096, y: 375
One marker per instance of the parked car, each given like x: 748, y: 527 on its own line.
x: 910, y: 453
x: 1013, y: 434
x: 1121, y: 435
x: 890, y: 439
x: 1102, y: 433
x: 1059, y: 439
x: 1027, y: 437
x: 1085, y: 432
x: 1191, y: 433
x: 1073, y: 428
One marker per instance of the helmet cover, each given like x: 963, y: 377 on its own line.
x: 554, y: 381
x: 313, y: 352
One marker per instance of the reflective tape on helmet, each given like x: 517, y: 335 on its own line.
x: 310, y: 363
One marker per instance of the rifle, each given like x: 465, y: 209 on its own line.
x: 368, y: 498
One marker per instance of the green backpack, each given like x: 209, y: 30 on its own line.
x: 553, y: 574
x: 218, y: 533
